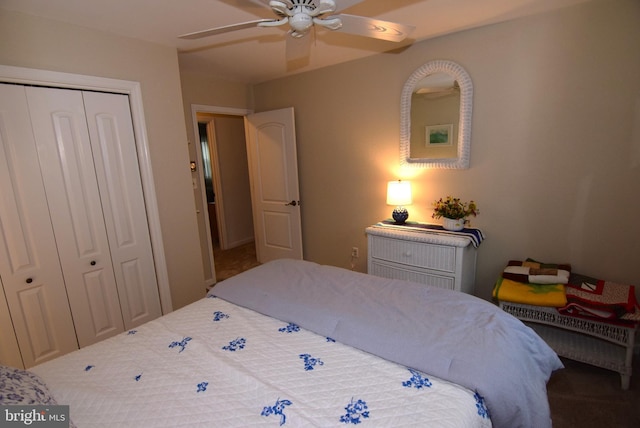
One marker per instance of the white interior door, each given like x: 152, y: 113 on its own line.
x: 66, y: 161
x: 273, y: 173
x: 31, y: 275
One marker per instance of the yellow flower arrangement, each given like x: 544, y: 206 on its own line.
x: 454, y: 209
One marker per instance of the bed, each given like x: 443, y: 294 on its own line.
x: 294, y: 343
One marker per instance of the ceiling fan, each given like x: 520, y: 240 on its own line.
x: 303, y: 15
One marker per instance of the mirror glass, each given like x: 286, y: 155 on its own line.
x: 436, y: 117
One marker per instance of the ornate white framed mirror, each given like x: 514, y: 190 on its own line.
x: 435, y: 117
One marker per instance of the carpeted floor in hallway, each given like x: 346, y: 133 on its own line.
x: 234, y: 261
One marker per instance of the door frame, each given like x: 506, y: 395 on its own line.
x: 217, y: 181
x: 32, y: 76
x: 210, y: 277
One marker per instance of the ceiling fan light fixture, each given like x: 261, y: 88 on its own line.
x: 301, y: 22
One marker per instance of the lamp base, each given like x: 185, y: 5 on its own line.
x: 400, y: 215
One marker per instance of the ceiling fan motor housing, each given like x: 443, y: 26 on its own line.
x: 301, y: 22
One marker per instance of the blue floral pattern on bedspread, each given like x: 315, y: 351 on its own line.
x: 277, y: 409
x: 219, y: 316
x: 310, y: 362
x: 181, y: 344
x: 235, y: 344
x: 356, y: 411
x: 483, y: 411
x: 418, y: 381
x: 315, y: 371
x: 290, y: 328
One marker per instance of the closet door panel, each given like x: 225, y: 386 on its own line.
x: 32, y: 280
x: 118, y: 174
x: 9, y: 349
x: 66, y: 162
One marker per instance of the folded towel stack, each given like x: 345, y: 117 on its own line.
x: 544, y: 284
x: 533, y: 283
x: 534, y: 272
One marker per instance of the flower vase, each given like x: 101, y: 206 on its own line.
x: 453, y: 224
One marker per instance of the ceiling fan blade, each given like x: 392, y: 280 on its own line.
x: 345, y: 4
x: 267, y: 3
x: 375, y: 28
x: 225, y: 29
x: 298, y: 47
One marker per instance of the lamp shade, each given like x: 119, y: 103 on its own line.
x: 399, y: 193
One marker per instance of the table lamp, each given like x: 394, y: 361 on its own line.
x: 399, y: 194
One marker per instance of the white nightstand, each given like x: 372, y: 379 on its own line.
x: 419, y: 254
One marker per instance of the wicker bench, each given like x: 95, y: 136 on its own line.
x: 598, y: 343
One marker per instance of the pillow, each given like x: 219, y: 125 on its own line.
x: 23, y: 387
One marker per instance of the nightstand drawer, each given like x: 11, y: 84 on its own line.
x: 398, y: 272
x: 418, y: 254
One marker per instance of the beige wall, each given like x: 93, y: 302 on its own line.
x: 201, y: 88
x: 555, y: 154
x: 555, y: 159
x: 43, y: 44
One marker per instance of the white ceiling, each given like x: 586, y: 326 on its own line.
x: 258, y: 54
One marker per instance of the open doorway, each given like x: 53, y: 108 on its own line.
x: 225, y: 191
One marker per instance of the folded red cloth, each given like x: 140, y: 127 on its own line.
x: 598, y: 298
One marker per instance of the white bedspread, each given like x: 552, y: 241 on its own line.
x: 216, y: 364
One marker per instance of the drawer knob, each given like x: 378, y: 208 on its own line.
x: 29, y: 280
x: 407, y: 254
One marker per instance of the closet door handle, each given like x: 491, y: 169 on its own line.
x: 93, y: 263
x: 29, y: 280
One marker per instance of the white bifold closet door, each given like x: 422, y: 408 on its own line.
x: 76, y: 264
x: 29, y: 266
x: 118, y: 174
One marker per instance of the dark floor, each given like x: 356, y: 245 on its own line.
x: 584, y: 396
x: 580, y: 395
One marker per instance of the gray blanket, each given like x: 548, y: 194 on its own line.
x: 447, y: 334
